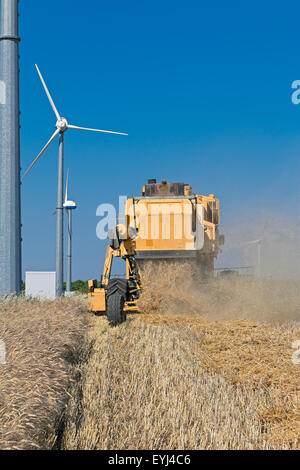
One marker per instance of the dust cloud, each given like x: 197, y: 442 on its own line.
x: 280, y: 245
x: 175, y: 289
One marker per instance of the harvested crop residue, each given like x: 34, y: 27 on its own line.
x: 181, y: 382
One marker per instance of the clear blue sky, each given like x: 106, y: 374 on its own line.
x: 202, y: 88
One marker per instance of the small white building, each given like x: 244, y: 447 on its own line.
x: 40, y: 284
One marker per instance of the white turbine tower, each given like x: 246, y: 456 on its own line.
x: 69, y: 206
x: 258, y: 263
x: 62, y: 126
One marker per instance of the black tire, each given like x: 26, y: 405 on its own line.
x: 117, y: 285
x: 116, y: 295
x: 115, y: 309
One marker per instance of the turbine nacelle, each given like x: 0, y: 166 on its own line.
x: 62, y: 124
x: 70, y: 205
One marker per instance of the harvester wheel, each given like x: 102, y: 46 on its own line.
x: 116, y: 296
x: 115, y: 309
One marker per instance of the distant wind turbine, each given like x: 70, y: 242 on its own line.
x: 258, y: 243
x: 69, y: 206
x: 62, y: 126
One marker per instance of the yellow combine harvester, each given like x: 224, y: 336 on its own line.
x: 168, y: 222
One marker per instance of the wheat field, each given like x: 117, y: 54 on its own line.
x: 43, y: 341
x: 202, y: 366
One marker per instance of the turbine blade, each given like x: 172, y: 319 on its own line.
x: 94, y: 130
x: 67, y: 186
x: 254, y: 242
x: 42, y: 151
x: 48, y: 94
x: 69, y: 228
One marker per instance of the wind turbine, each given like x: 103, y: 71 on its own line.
x: 258, y: 243
x: 69, y: 206
x: 62, y: 126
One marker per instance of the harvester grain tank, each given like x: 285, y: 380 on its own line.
x: 173, y: 223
